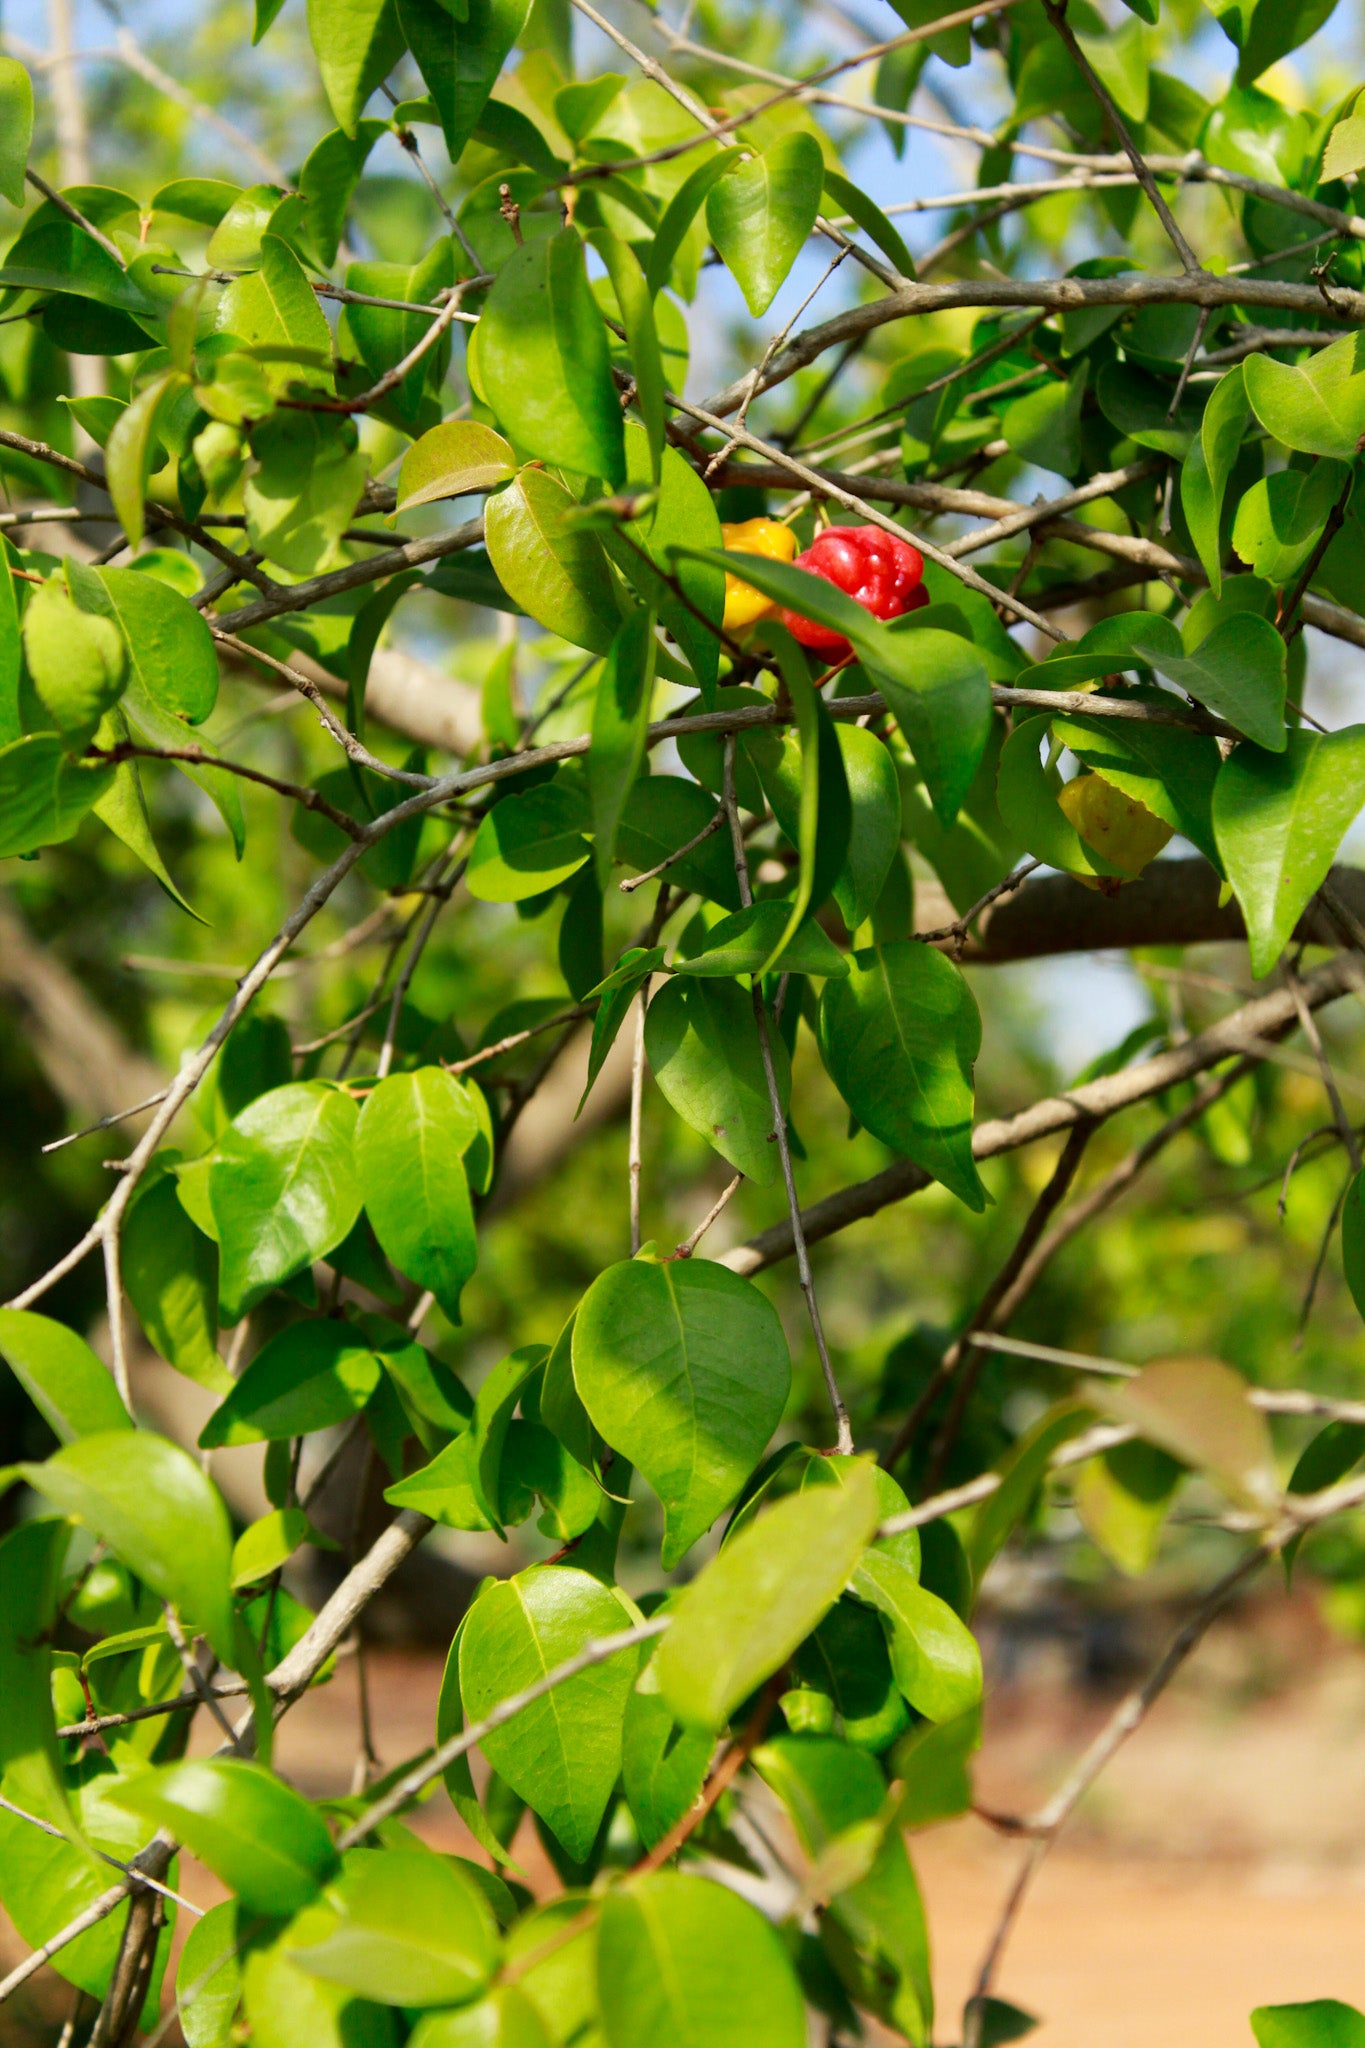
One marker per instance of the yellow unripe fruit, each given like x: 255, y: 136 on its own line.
x: 1117, y: 826
x: 744, y: 604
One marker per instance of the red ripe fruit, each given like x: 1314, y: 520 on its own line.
x: 878, y: 571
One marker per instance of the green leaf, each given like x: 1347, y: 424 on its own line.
x: 875, y: 822
x: 307, y: 1376
x: 1345, y: 150
x: 1317, y: 406
x: 78, y: 662
x: 934, y: 1656
x: 208, y: 1984
x: 760, y: 216
x: 457, y: 1776
x: 1027, y: 795
x: 159, y: 1514
x: 11, y: 649
x: 636, y: 304
x: 123, y: 809
x: 263, y: 1840
x: 664, y: 812
x: 159, y: 728
x: 328, y: 181
x: 745, y: 1612
x: 16, y: 128
x: 406, y: 1927
x: 1237, y: 671
x: 900, y: 1037
x: 684, y: 515
x: 357, y: 43
x: 44, y: 793
x: 1270, y: 32
x: 702, y: 1044
x: 282, y: 1189
x: 684, y: 1369
x: 544, y: 360
x: 301, y: 495
x: 170, y: 1270
x: 681, y: 211
x: 171, y: 656
x: 1197, y: 1410
x: 285, y: 2006
x: 869, y: 217
x: 1044, y: 426
x: 1317, y: 2023
x: 386, y: 336
x: 30, y: 1570
x: 683, y: 1962
x: 621, y: 707
x: 275, y: 308
x: 528, y: 844
x: 494, y: 1406
x: 505, y: 2019
x: 1138, y: 406
x: 932, y: 1764
x: 460, y: 57
x: 939, y: 694
x: 844, y: 1665
x: 1169, y: 770
x: 753, y: 941
x: 663, y: 1766
x: 454, y: 459
x: 409, y: 1147
x: 1278, y: 820
x: 1209, y: 464
x: 555, y: 570
x: 1023, y: 1470
x: 72, y: 1391
x: 265, y: 1545
x: 128, y: 452
x: 562, y: 1753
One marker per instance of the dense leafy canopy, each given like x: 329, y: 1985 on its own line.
x: 406, y: 430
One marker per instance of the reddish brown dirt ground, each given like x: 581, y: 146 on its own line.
x: 1219, y: 1864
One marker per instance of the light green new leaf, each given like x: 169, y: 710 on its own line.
x: 78, y: 662
x: 265, y: 1545
x: 285, y: 2006
x: 1278, y: 820
x: 1280, y: 518
x: 263, y: 1839
x: 746, y: 1612
x: 683, y: 1962
x: 900, y: 1037
x: 357, y: 43
x: 701, y: 1041
x: 208, y: 1984
x: 1345, y: 151
x: 684, y: 1369
x: 457, y: 1777
x: 1209, y: 464
x: 159, y: 1514
x: 72, y: 1391
x: 621, y: 706
x: 457, y: 457
x: 459, y: 52
x: 171, y: 655
x: 30, y: 1570
x: 1318, y: 406
x: 1197, y: 1409
x: 934, y: 1656
x: 1023, y: 1470
x: 282, y: 1189
x: 170, y: 1270
x: 681, y: 211
x: 275, y: 307
x: 544, y: 360
x: 562, y: 1753
x: 760, y: 216
x: 406, y: 1927
x: 308, y: 1376
x: 528, y: 844
x: 409, y: 1152
x: 328, y: 180
x: 16, y: 128
x: 553, y: 569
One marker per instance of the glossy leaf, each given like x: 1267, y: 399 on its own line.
x: 16, y: 128
x: 528, y: 844
x: 1317, y: 406
x: 44, y: 793
x: 874, y: 825
x: 562, y: 1753
x: 72, y: 1391
x: 934, y: 1657
x: 284, y: 2005
x: 31, y: 1559
x: 171, y: 656
x: 664, y: 813
x: 307, y: 1376
x: 663, y: 1766
x: 357, y: 44
x: 505, y: 2019
x: 1170, y: 771
x: 275, y: 308
x: 683, y: 1962
x: 752, y: 941
x: 1317, y: 2023
x: 282, y: 1189
x: 554, y: 570
x: 454, y: 459
x: 409, y: 1144
x: 170, y: 1270
x: 407, y: 1928
x: 263, y: 1840
x: 702, y: 1044
x: 621, y: 706
x: 1280, y: 519
x: 208, y: 1984
x: 544, y: 360
x: 684, y: 1369
x: 900, y: 1037
x: 129, y: 450
x: 744, y: 1614
x: 159, y: 1514
x: 761, y: 214
x: 635, y: 303
x: 1208, y: 466
x: 687, y: 595
x: 1278, y: 820
x: 460, y: 56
